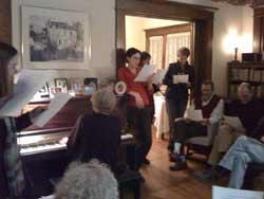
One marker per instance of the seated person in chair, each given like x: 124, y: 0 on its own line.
x: 249, y: 110
x: 211, y: 107
x: 244, y: 151
x: 97, y: 135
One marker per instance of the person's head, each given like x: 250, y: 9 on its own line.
x: 207, y: 89
x: 245, y: 93
x: 91, y: 180
x: 8, y: 62
x: 145, y: 58
x: 183, y: 54
x: 133, y: 56
x: 104, y: 101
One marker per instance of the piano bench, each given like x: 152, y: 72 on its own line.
x: 130, y: 180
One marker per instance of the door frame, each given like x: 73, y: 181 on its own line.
x: 202, y: 18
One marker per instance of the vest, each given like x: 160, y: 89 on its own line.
x: 209, y: 108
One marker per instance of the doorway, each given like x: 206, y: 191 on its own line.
x: 199, y: 18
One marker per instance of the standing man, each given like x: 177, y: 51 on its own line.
x: 177, y: 93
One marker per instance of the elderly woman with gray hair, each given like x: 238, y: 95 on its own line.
x: 97, y: 135
x: 89, y: 180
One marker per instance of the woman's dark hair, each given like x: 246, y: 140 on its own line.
x: 145, y: 55
x: 7, y: 52
x: 131, y: 51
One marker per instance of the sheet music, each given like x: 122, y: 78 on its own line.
x: 234, y: 122
x: 180, y: 79
x: 145, y: 73
x: 159, y: 76
x: 29, y: 82
x: 54, y: 107
x: 195, y: 115
x: 228, y: 193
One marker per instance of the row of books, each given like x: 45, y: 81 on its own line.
x: 258, y: 91
x: 241, y: 74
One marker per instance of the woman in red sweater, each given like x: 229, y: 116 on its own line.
x: 139, y: 111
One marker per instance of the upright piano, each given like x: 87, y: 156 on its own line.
x: 43, y: 150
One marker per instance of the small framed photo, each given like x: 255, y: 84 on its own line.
x: 61, y: 84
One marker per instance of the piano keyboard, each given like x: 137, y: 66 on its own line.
x: 37, y: 144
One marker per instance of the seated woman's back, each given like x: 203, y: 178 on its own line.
x: 98, y: 136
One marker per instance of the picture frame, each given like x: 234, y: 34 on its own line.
x: 55, y: 39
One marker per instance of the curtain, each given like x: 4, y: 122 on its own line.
x: 156, y: 50
x: 174, y: 43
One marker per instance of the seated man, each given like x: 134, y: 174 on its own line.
x: 97, y: 135
x: 211, y: 107
x: 249, y: 110
x: 244, y: 151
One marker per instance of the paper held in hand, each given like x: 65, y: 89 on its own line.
x: 159, y: 76
x: 234, y: 122
x: 54, y: 107
x: 180, y: 79
x: 29, y: 82
x: 228, y: 193
x: 145, y: 73
x: 195, y: 115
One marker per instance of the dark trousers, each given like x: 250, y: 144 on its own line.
x: 186, y: 130
x: 140, y: 121
x: 175, y: 109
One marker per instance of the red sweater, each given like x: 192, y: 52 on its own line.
x: 124, y: 74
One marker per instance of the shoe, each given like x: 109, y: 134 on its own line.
x: 146, y: 161
x: 179, y: 166
x: 208, y: 175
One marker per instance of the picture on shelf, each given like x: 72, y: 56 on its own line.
x: 54, y: 39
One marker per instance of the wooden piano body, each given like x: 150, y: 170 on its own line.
x: 43, y: 150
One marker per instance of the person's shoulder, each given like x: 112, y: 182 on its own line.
x: 122, y: 69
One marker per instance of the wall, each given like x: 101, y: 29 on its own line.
x: 136, y: 26
x: 5, y: 21
x: 228, y: 18
x: 102, y: 24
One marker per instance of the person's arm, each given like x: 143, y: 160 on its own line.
x: 168, y: 79
x: 23, y: 121
x: 74, y: 139
x: 217, y: 113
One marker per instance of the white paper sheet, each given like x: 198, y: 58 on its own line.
x: 159, y: 76
x: 180, y: 79
x: 227, y: 193
x: 234, y: 122
x: 54, y: 107
x: 29, y: 82
x: 195, y: 115
x: 145, y: 73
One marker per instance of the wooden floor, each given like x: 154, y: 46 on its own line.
x: 161, y: 183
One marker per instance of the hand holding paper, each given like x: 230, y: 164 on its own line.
x: 145, y: 73
x: 29, y: 82
x: 180, y: 79
x: 54, y: 107
x: 195, y: 115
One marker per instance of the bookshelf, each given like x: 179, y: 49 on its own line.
x: 245, y: 72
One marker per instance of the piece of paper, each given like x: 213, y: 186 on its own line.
x: 54, y: 107
x: 145, y: 73
x: 29, y: 82
x: 234, y: 122
x: 195, y: 115
x: 180, y: 79
x: 159, y: 76
x: 228, y: 193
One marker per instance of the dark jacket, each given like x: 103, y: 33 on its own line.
x: 249, y: 114
x: 178, y: 91
x: 21, y: 123
x: 97, y: 136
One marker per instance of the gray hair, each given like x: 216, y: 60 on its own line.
x: 104, y: 101
x: 91, y: 180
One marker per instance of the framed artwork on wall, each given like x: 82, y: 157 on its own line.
x: 55, y: 39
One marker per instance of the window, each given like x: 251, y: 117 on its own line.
x: 163, y: 43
